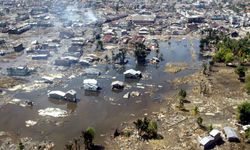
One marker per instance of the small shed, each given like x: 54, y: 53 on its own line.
x: 231, y: 134
x: 56, y: 94
x: 18, y: 48
x: 70, y: 96
x: 117, y: 85
x: 207, y: 142
x: 91, y: 85
x: 131, y: 73
x: 18, y: 71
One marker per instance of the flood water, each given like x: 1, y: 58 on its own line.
x: 106, y: 110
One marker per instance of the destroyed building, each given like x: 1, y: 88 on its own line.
x: 91, y: 85
x: 131, y: 73
x: 18, y: 71
x: 143, y: 19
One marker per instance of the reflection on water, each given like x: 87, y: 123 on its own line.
x: 104, y: 110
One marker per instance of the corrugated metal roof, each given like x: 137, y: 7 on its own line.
x: 207, y: 139
x: 230, y: 132
x: 214, y: 132
x: 59, y: 93
x: 132, y: 71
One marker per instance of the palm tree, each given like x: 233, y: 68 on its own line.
x: 88, y: 136
x: 241, y: 72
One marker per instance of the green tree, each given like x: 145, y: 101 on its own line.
x: 152, y: 129
x: 220, y: 55
x: 248, y: 84
x: 182, y: 93
x: 196, y: 110
x: 210, y: 127
x: 241, y: 72
x: 147, y: 129
x: 243, y: 113
x: 88, y: 136
x: 120, y: 56
x: 199, y: 121
x: 229, y: 57
x: 140, y: 53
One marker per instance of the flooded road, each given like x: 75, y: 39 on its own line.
x: 106, y: 110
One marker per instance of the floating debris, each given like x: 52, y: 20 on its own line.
x: 52, y: 112
x: 126, y: 96
x: 175, y: 68
x: 30, y: 123
x: 135, y: 93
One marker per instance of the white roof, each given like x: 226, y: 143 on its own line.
x: 245, y: 127
x: 214, y: 132
x: 206, y: 140
x: 90, y: 81
x: 84, y: 61
x: 230, y: 132
x: 117, y: 82
x: 48, y: 78
x: 132, y: 71
x: 40, y: 55
x: 73, y: 92
x: 88, y: 58
x: 144, y: 29
x: 60, y: 93
x: 70, y: 58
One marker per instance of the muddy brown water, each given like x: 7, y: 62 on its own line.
x: 106, y: 110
